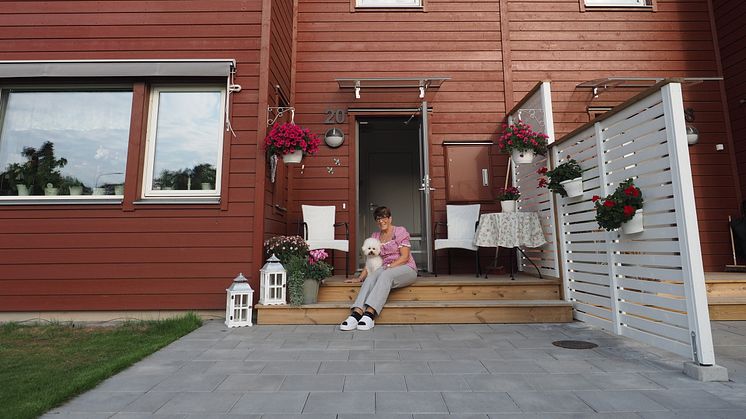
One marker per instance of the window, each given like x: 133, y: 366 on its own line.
x: 63, y: 143
x: 388, y: 3
x: 184, y: 142
x: 617, y: 3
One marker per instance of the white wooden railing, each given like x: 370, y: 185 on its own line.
x: 648, y: 286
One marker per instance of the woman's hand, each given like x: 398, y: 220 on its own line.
x: 353, y: 280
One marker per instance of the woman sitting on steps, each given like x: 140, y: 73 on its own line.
x: 398, y: 270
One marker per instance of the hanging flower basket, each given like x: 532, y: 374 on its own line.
x: 522, y: 142
x: 289, y: 138
x: 294, y: 157
x: 620, y: 207
x: 566, y: 179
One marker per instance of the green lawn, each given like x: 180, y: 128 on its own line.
x: 42, y: 366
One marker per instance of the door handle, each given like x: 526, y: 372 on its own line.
x: 485, y: 178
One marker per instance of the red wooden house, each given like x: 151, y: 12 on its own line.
x: 134, y: 178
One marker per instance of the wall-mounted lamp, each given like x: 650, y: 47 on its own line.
x: 692, y: 133
x: 357, y: 89
x: 334, y: 137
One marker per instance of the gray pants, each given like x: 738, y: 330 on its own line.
x: 376, y: 287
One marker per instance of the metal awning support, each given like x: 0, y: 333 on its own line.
x: 601, y: 85
x: 420, y: 84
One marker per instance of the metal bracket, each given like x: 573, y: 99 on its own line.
x: 279, y: 110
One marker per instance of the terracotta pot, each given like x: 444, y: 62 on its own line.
x: 634, y: 225
x: 522, y: 157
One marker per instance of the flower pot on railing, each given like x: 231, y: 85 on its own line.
x: 634, y: 225
x: 573, y: 187
x: 508, y: 206
x: 23, y: 190
x: 293, y: 158
x: 522, y: 157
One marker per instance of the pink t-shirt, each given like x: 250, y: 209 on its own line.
x: 390, y: 249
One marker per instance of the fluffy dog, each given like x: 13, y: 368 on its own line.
x: 372, y: 252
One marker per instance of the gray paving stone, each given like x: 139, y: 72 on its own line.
x: 557, y: 415
x: 200, y: 402
x: 622, y: 381
x: 619, y: 401
x: 570, y: 367
x: 410, y: 403
x: 457, y: 367
x: 499, y: 382
x: 526, y: 354
x: 346, y: 367
x: 456, y: 416
x: 516, y: 367
x: 149, y: 402
x: 291, y: 367
x: 282, y: 402
x: 350, y: 344
x: 142, y: 415
x: 477, y: 354
x: 375, y: 355
x: 101, y: 401
x: 374, y: 416
x: 375, y: 383
x: 223, y: 355
x: 324, y: 355
x: 140, y: 383
x: 313, y: 383
x: 548, y: 401
x: 191, y: 382
x: 300, y: 416
x: 422, y: 382
x: 351, y: 402
x: 397, y: 344
x: 54, y: 414
x: 424, y: 355
x: 402, y: 367
x: 251, y: 382
x: 685, y: 399
x: 479, y: 402
x: 232, y: 367
x: 560, y: 382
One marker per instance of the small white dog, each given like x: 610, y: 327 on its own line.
x: 372, y: 252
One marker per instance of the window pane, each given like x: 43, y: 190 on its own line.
x: 64, y: 142
x: 188, y: 140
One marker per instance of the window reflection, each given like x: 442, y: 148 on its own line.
x: 64, y: 143
x: 188, y: 141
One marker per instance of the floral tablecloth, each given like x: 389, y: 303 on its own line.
x: 510, y: 229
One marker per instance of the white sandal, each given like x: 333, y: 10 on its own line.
x: 366, y: 323
x: 350, y: 324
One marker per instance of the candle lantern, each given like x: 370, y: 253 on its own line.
x: 239, y: 303
x: 273, y: 281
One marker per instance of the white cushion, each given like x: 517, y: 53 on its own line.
x: 454, y: 244
x: 320, y: 223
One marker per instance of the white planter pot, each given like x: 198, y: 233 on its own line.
x: 522, y: 157
x: 118, y: 189
x: 76, y: 190
x: 206, y: 186
x: 634, y: 225
x: 573, y: 187
x: 508, y: 206
x: 294, y: 157
x: 51, y: 191
x: 99, y: 191
x: 22, y: 190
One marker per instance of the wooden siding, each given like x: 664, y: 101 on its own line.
x: 729, y: 18
x: 541, y: 41
x: 460, y: 40
x: 135, y: 257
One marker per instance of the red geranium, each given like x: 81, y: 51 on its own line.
x: 288, y: 137
x: 618, y: 207
x: 521, y: 137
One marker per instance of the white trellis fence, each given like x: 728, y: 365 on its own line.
x: 647, y: 286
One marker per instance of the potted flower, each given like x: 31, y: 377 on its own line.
x: 286, y: 246
x: 508, y: 197
x: 291, y: 142
x: 565, y: 179
x: 622, y: 208
x: 522, y: 142
x: 305, y: 272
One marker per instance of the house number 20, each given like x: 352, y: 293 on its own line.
x: 335, y: 116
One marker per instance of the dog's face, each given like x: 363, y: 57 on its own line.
x: 371, y: 247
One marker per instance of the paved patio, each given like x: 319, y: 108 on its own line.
x: 420, y: 371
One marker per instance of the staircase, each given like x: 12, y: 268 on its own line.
x: 444, y: 299
x: 726, y: 295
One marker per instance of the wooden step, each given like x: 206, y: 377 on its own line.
x: 726, y: 295
x: 426, y: 312
x: 453, y: 288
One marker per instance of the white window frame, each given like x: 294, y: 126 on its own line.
x: 150, y: 139
x: 388, y: 3
x: 617, y: 3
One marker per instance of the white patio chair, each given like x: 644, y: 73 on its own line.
x: 461, y: 222
x: 318, y: 231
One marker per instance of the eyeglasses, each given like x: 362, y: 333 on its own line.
x: 381, y: 218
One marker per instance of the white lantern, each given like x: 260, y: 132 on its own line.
x: 239, y: 302
x: 273, y: 281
